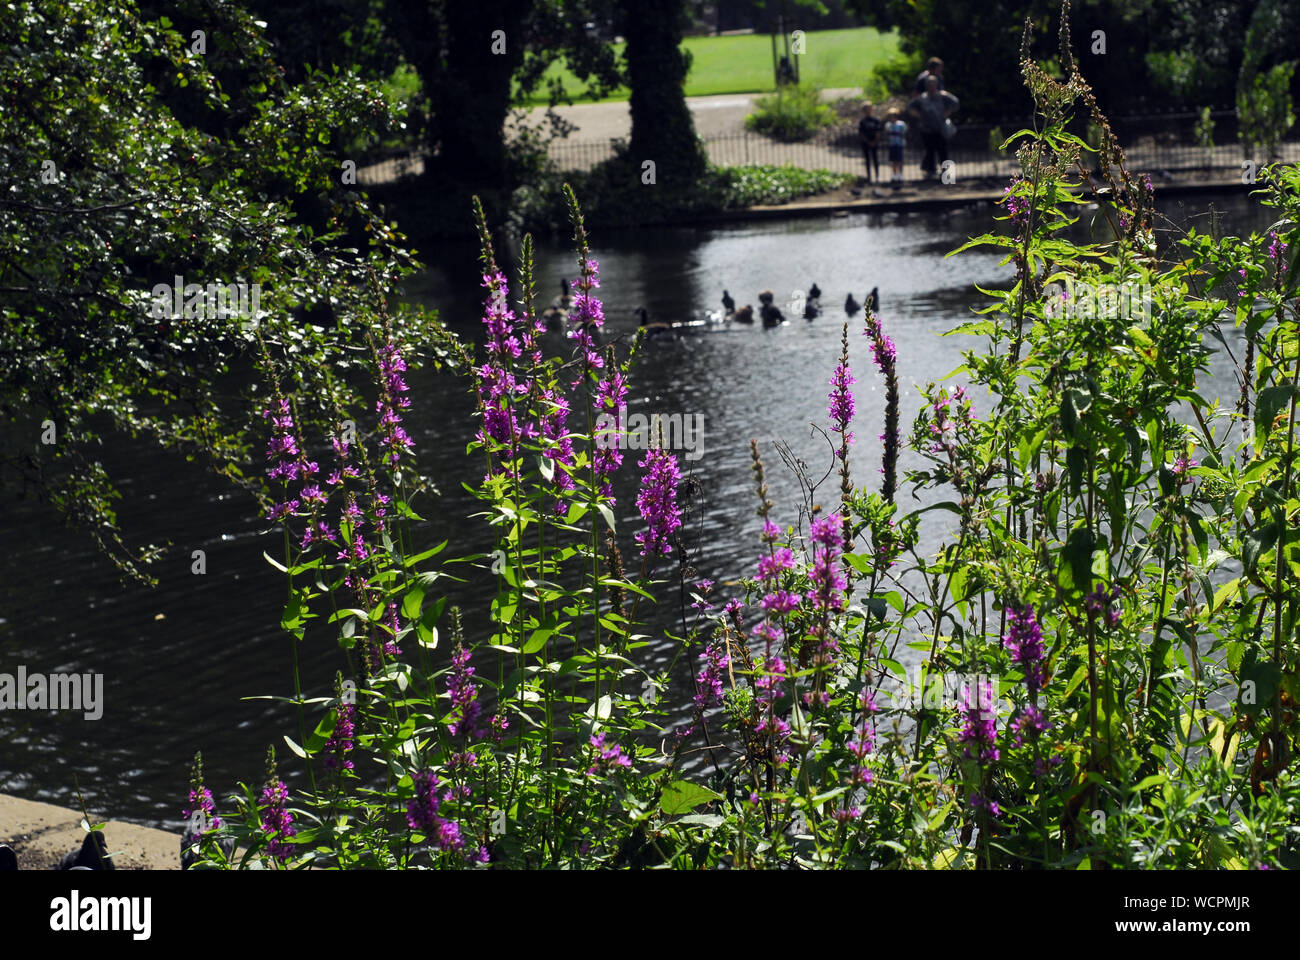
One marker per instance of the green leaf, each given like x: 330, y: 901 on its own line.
x: 1268, y: 405
x: 1080, y: 675
x: 412, y: 603
x: 1254, y: 543
x: 1074, y: 569
x: 294, y: 747
x: 681, y: 796
x: 1074, y: 404
x: 1146, y: 783
x: 537, y: 640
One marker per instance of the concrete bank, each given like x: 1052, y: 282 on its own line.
x: 938, y: 197
x: 41, y: 833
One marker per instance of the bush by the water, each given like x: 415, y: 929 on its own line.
x: 769, y: 184
x: 792, y: 113
x: 614, y: 194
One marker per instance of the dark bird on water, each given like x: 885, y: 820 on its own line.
x: 656, y: 330
x: 727, y: 303
x: 558, y: 311
x: 744, y: 315
x: 873, y: 300
x: 814, y: 292
x: 770, y: 313
x: 851, y: 306
x: 93, y: 854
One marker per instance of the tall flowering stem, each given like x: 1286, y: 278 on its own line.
x: 201, y: 807
x: 276, y: 820
x: 885, y: 355
x: 841, y: 410
x: 979, y: 736
x: 657, y: 503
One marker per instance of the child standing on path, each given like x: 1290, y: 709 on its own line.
x: 869, y: 132
x: 896, y: 131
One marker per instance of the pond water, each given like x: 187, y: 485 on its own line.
x: 177, y: 659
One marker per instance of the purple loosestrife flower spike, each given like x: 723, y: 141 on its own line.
x: 841, y: 399
x: 828, y: 580
x: 710, y: 677
x: 200, y: 801
x: 340, y: 743
x: 657, y: 503
x: 276, y: 821
x: 1276, y: 250
x: 979, y: 730
x: 979, y: 734
x: 422, y: 808
x: 1025, y: 641
x: 393, y: 439
x: 422, y: 813
x: 885, y: 355
x: 464, y: 696
x: 607, y: 758
x: 767, y: 688
x: 1103, y: 604
x: 498, y: 386
x: 862, y: 746
x: 611, y: 396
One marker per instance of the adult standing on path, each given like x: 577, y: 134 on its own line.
x: 869, y: 133
x: 932, y: 110
x: 933, y: 68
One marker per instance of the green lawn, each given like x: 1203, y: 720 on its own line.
x: 833, y: 58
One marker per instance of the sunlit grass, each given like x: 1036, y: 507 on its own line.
x: 834, y: 58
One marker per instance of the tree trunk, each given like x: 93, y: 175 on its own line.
x: 662, y: 129
x: 450, y: 43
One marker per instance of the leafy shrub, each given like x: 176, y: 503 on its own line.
x: 792, y: 113
x: 1265, y: 109
x: 613, y: 194
x: 897, y: 75
x: 770, y: 184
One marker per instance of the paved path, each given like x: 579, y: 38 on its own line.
x: 720, y: 122
x: 714, y: 116
x: 720, y: 119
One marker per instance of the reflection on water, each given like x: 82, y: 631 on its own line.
x: 177, y: 659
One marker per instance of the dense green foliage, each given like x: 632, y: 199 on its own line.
x: 615, y: 196
x: 1152, y: 54
x: 792, y: 113
x: 138, y: 154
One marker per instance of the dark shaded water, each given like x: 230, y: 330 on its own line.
x: 177, y: 659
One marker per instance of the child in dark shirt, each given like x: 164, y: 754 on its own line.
x: 869, y: 133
